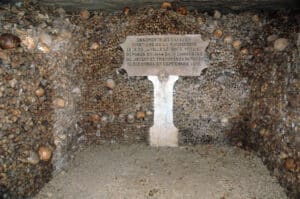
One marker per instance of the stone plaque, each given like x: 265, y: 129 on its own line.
x: 163, y: 58
x: 182, y: 55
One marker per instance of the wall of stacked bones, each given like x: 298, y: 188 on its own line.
x: 62, y: 88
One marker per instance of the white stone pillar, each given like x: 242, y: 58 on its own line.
x: 163, y: 132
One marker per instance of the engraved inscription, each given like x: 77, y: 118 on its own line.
x: 174, y: 54
x: 164, y: 52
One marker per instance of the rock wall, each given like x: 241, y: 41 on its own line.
x: 224, y: 5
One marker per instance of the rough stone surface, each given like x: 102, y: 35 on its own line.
x: 200, y: 4
x: 141, y: 171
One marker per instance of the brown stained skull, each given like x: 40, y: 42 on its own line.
x: 9, y: 41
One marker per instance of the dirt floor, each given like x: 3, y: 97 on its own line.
x: 139, y: 171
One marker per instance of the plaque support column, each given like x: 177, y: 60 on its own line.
x: 163, y: 132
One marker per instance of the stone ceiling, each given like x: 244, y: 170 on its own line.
x: 224, y: 5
